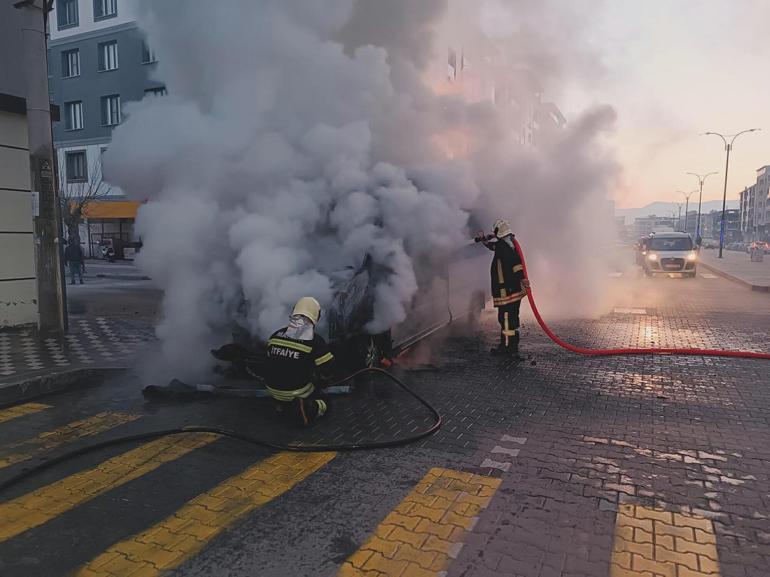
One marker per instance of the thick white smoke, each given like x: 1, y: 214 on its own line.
x: 299, y: 136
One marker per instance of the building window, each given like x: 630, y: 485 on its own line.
x: 73, y: 115
x: 159, y: 91
x: 148, y: 54
x: 108, y: 56
x: 105, y: 9
x: 70, y: 63
x: 67, y: 13
x: 110, y: 110
x: 76, y: 166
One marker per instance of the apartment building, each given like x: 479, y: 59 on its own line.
x: 98, y: 61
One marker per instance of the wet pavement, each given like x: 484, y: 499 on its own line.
x: 560, y: 466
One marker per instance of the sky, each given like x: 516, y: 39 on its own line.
x: 674, y: 69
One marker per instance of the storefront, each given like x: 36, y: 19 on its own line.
x: 110, y: 222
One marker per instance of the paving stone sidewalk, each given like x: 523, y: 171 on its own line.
x: 737, y: 266
x: 90, y: 343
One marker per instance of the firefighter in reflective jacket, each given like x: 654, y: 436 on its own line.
x: 297, y: 361
x: 508, y: 286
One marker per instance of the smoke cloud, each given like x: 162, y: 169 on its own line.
x: 299, y: 136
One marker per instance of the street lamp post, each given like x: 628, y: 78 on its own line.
x: 687, y: 196
x: 701, y: 180
x: 728, y: 148
x: 679, y: 219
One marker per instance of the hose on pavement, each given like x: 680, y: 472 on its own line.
x: 308, y: 448
x: 625, y: 351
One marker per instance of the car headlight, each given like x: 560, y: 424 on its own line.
x: 652, y: 256
x: 692, y: 257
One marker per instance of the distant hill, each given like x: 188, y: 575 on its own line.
x: 666, y: 208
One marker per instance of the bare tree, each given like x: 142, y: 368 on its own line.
x: 75, y: 196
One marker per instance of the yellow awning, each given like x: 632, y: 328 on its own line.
x: 111, y: 209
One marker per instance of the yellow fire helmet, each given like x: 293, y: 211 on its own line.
x: 501, y: 228
x: 308, y: 307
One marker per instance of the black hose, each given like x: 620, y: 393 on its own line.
x: 246, y: 438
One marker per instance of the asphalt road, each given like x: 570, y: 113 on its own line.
x: 113, y: 290
x: 561, y: 466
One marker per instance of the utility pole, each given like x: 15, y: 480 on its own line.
x: 46, y: 221
x: 701, y: 180
x: 679, y: 218
x: 728, y: 148
x: 687, y: 196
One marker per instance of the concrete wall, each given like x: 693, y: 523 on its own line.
x: 12, y: 79
x: 18, y: 285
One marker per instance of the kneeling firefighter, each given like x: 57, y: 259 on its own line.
x: 297, y: 361
x: 508, y: 286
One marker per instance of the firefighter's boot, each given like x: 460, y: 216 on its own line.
x: 500, y: 349
x: 513, y: 348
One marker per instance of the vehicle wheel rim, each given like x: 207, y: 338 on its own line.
x: 372, y: 358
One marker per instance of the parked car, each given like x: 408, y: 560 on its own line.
x: 640, y: 248
x: 671, y: 252
x: 759, y: 245
x: 449, y: 291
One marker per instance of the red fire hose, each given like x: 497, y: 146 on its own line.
x: 629, y: 351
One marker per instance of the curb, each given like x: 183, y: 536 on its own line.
x: 41, y: 385
x: 123, y: 276
x: 735, y: 279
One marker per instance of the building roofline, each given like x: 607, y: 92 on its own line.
x: 99, y: 32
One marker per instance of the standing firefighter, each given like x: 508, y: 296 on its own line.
x: 297, y: 360
x: 508, y: 286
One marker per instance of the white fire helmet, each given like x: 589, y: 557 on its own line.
x: 501, y: 228
x: 308, y: 307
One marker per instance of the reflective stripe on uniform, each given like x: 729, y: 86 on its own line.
x: 507, y: 332
x: 322, y: 407
x: 323, y: 359
x: 500, y: 277
x: 509, y: 299
x: 517, y: 268
x: 302, y: 393
x: 505, y: 328
x: 290, y: 344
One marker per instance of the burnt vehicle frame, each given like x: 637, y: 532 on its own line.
x: 452, y: 289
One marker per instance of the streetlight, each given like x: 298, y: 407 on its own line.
x: 728, y: 148
x: 701, y: 180
x: 679, y: 219
x: 687, y: 196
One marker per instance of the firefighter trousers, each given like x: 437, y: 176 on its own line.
x: 508, y: 317
x: 305, y: 411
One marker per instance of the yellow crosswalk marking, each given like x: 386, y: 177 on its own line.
x: 42, y: 505
x: 425, y: 531
x: 23, y: 450
x: 21, y: 410
x: 656, y: 542
x: 182, y: 535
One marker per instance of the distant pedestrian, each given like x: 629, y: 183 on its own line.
x: 75, y: 259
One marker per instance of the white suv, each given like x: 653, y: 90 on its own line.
x: 670, y: 252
